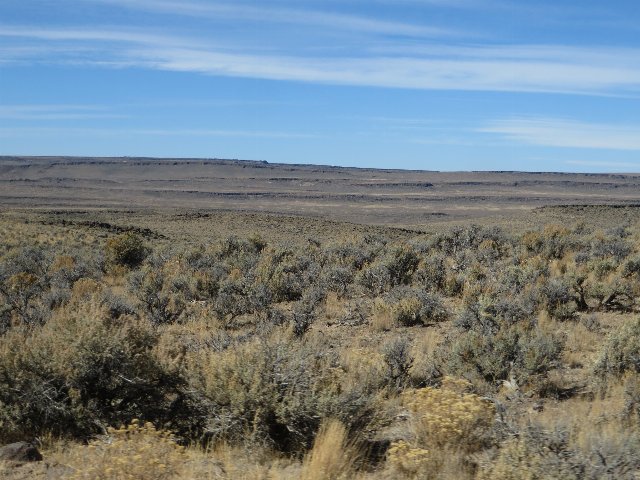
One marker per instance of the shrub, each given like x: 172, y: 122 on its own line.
x: 539, y: 353
x: 490, y: 356
x: 445, y: 422
x: 137, y: 451
x: 401, y: 263
x: 533, y: 458
x: 510, y: 352
x: 127, y: 249
x: 450, y: 416
x: 331, y: 456
x: 407, y: 306
x: 430, y: 273
x: 80, y: 373
x: 161, y: 299
x: 488, y: 314
x: 621, y: 352
x: 285, y: 273
x: 23, y: 279
x: 337, y: 279
x: 398, y: 360
x: 542, y: 454
x: 233, y: 299
x: 611, y: 247
x: 632, y: 268
x: 274, y: 392
x: 556, y: 241
x: 407, y: 461
x: 560, y: 300
x: 304, y: 311
x: 374, y: 278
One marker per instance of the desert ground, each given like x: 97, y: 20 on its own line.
x: 225, y: 319
x: 237, y: 196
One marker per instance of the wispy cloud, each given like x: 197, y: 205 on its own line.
x: 556, y: 69
x: 553, y: 132
x: 31, y: 131
x: 118, y: 35
x: 56, y: 112
x: 298, y: 16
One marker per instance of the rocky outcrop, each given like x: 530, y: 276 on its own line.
x: 20, y: 452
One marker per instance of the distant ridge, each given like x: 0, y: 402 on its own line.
x: 265, y: 163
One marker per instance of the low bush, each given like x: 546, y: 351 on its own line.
x: 621, y: 351
x: 127, y: 249
x: 274, y: 392
x: 510, y: 353
x: 137, y: 451
x: 408, y: 306
x: 81, y: 373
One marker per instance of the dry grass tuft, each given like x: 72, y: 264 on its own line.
x: 331, y: 457
x: 136, y: 451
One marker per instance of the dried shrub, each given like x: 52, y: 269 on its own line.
x: 445, y: 422
x: 450, y: 416
x: 137, y: 451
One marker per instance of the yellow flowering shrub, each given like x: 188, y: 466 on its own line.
x: 444, y: 420
x: 407, y: 460
x: 133, y: 452
x: 449, y: 416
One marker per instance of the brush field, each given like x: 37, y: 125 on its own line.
x: 230, y: 320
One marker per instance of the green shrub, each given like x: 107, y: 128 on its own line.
x: 538, y: 454
x: 430, y: 273
x: 274, y: 391
x: 286, y: 273
x: 560, y: 299
x: 80, y: 373
x: 621, y: 352
x: 398, y: 360
x: 409, y: 306
x: 511, y: 352
x: 162, y: 300
x: 23, y: 280
x: 127, y: 249
x: 401, y: 263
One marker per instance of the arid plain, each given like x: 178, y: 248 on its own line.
x: 224, y: 319
x: 238, y: 196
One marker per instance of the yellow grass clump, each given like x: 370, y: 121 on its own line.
x: 331, y: 458
x: 448, y: 415
x: 137, y: 451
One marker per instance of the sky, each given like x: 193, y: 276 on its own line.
x: 413, y: 84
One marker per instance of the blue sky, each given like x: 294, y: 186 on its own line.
x: 418, y: 84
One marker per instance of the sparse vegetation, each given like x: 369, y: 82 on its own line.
x: 470, y: 353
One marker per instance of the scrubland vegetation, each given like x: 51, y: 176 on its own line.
x: 468, y: 354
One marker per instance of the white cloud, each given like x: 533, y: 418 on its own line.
x: 118, y: 35
x: 407, y: 72
x: 327, y: 20
x: 31, y: 131
x: 55, y: 112
x: 553, y: 132
x: 525, y: 68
